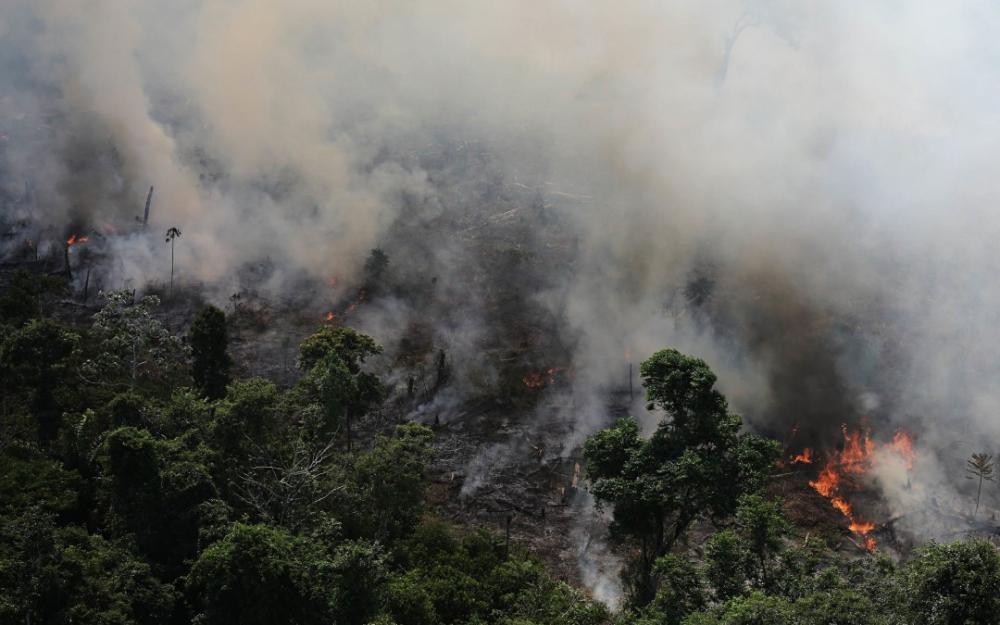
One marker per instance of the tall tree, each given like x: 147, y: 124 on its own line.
x: 333, y: 358
x: 35, y: 361
x: 263, y: 575
x: 210, y: 362
x: 132, y: 344
x: 979, y: 467
x: 172, y: 234
x: 696, y: 463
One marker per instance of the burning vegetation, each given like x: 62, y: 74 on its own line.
x: 847, y: 471
x: 396, y: 464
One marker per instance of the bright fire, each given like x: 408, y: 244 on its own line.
x: 74, y: 239
x: 839, y: 474
x: 806, y: 457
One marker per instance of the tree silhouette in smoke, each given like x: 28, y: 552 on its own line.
x: 172, y: 234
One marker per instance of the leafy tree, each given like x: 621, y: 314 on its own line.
x: 245, y: 430
x: 333, y: 358
x: 449, y: 578
x: 35, y: 361
x: 681, y: 590
x: 696, y: 462
x: 956, y: 583
x: 28, y: 480
x: 64, y: 575
x: 755, y: 609
x: 840, y: 606
x: 763, y: 529
x: 386, y: 487
x: 725, y: 555
x: 154, y: 491
x: 21, y: 300
x: 409, y: 602
x: 127, y: 409
x: 131, y: 344
x: 131, y: 459
x: 260, y: 575
x: 359, y: 578
x: 210, y: 362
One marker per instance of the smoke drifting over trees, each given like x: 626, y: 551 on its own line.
x: 800, y: 194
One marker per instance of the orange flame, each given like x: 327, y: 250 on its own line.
x: 854, y: 459
x: 806, y: 457
x: 74, y: 239
x: 329, y: 316
x: 902, y: 444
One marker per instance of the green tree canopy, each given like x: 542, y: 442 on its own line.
x: 696, y: 462
x: 333, y: 357
x: 210, y: 362
x: 133, y: 345
x: 260, y: 575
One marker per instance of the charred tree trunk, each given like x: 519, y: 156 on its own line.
x: 171, y: 268
x: 145, y: 214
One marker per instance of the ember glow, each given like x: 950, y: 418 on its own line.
x: 74, y: 239
x: 844, y: 469
x: 538, y: 379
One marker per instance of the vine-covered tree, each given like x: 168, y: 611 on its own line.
x: 210, y: 362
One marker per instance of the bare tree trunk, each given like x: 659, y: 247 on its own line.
x: 171, y: 268
x: 979, y: 494
x: 145, y: 214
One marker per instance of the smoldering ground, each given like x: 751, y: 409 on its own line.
x: 799, y: 193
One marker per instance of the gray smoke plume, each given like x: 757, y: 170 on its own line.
x: 800, y: 193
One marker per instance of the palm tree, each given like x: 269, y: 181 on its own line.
x: 979, y: 466
x: 172, y: 234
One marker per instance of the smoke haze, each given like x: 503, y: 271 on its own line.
x: 800, y: 193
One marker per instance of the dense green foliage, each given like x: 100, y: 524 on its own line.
x: 697, y: 462
x: 751, y: 570
x: 210, y: 363
x: 140, y: 484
